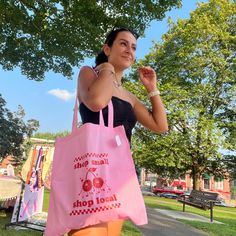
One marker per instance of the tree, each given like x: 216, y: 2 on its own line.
x: 13, y: 130
x: 195, y: 63
x: 51, y: 136
x: 229, y: 163
x: 57, y: 35
x: 32, y: 125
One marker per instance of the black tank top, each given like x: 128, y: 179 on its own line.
x: 123, y: 115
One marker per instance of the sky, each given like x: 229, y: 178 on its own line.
x: 51, y: 101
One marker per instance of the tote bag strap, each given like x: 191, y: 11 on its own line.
x: 75, y: 115
x: 101, y: 120
x: 110, y: 115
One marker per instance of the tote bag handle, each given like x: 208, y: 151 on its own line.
x: 101, y: 120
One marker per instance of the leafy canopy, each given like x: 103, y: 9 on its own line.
x: 39, y: 36
x: 196, y: 65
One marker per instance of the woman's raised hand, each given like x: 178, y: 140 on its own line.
x: 148, y: 78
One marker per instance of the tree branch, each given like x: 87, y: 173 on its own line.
x: 26, y: 12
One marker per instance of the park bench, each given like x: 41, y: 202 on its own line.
x: 200, y: 199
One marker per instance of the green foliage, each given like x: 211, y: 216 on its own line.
x: 57, y: 35
x: 32, y: 126
x: 230, y: 161
x: 195, y: 63
x: 13, y: 129
x: 51, y: 136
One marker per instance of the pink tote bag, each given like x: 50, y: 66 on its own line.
x: 93, y: 178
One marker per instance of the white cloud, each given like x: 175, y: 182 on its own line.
x: 62, y: 94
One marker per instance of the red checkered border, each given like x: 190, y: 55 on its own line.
x: 94, y: 210
x: 89, y: 155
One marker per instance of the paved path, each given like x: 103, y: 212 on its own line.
x: 186, y: 216
x: 162, y: 225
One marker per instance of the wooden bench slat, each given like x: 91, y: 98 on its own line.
x: 200, y: 206
x: 204, y: 195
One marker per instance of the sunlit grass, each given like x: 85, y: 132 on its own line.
x: 226, y: 215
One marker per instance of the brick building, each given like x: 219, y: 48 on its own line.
x: 207, y: 183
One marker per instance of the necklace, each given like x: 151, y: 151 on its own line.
x: 117, y: 83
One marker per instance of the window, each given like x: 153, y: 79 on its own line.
x: 219, y: 185
x: 219, y: 182
x: 206, y: 183
x: 182, y: 177
x: 234, y: 182
x: 206, y: 180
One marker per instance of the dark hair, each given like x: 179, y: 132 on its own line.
x: 101, y: 57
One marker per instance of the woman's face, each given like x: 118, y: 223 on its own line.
x: 122, y: 52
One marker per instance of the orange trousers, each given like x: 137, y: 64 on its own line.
x: 106, y: 229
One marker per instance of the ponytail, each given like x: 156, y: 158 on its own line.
x: 101, y: 58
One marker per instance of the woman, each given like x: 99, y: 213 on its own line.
x: 96, y: 87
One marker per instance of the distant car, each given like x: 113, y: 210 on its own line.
x: 146, y: 188
x: 159, y: 191
x: 187, y: 193
x: 221, y: 202
x: 147, y: 193
x: 169, y: 195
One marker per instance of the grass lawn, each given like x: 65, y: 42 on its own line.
x: 222, y: 214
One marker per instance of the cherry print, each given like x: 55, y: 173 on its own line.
x: 87, y: 185
x: 98, y: 182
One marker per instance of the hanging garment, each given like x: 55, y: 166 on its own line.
x: 31, y: 203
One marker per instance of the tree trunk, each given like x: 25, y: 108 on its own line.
x: 196, y: 179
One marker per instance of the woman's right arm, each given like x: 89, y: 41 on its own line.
x: 95, y: 91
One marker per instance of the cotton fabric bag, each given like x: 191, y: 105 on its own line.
x: 93, y: 178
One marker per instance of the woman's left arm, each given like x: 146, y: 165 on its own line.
x: 156, y: 119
